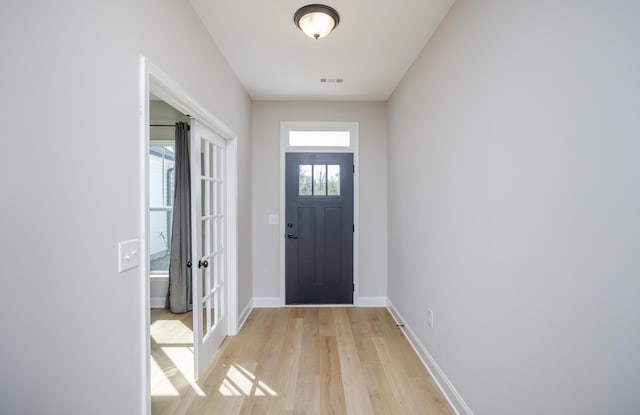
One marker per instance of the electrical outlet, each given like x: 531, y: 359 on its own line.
x: 430, y: 317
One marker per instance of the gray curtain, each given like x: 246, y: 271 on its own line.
x: 179, y: 297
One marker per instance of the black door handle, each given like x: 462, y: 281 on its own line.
x: 188, y: 264
x: 292, y: 236
x: 203, y: 264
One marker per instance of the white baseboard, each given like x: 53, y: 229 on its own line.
x: 273, y: 302
x: 158, y: 286
x: 267, y: 302
x: 242, y: 318
x: 455, y: 400
x: 157, y: 302
x: 372, y: 302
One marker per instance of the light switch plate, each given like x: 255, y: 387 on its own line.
x: 128, y: 255
x: 274, y: 219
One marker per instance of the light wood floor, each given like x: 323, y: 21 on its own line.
x: 300, y: 361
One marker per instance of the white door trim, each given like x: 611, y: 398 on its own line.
x: 154, y: 80
x: 353, y: 127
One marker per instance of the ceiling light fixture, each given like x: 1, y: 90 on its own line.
x: 316, y: 20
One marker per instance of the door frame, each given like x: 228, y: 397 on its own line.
x: 353, y: 127
x: 154, y: 80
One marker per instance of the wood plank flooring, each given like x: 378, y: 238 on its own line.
x: 285, y: 361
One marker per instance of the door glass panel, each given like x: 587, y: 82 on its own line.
x: 219, y: 234
x: 202, y: 162
x: 212, y: 196
x: 203, y: 276
x: 212, y: 229
x: 203, y: 194
x: 204, y: 317
x: 203, y: 229
x: 304, y: 180
x: 212, y: 158
x: 333, y: 180
x: 214, y: 273
x: 221, y: 302
x: 319, y: 179
x: 220, y: 162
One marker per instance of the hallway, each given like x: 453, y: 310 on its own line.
x: 306, y: 361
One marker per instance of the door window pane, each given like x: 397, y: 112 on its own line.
x: 319, y: 179
x: 333, y: 180
x: 204, y: 231
x: 304, y: 181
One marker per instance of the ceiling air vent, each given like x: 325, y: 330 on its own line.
x: 331, y: 80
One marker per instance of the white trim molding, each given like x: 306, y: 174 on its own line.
x: 244, y: 314
x: 446, y: 387
x: 372, y: 302
x: 267, y: 302
x: 157, y: 302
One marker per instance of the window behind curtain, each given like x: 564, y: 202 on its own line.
x: 161, y: 193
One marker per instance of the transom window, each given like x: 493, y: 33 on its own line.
x: 319, y: 180
x: 319, y: 138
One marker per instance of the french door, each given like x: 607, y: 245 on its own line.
x: 209, y: 220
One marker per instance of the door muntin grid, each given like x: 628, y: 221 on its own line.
x: 213, y: 230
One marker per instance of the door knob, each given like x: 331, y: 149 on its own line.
x: 292, y: 236
x: 203, y: 264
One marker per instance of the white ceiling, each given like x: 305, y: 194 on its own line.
x: 371, y: 49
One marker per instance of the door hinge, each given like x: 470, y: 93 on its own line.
x: 353, y: 288
x: 353, y: 228
x: 354, y: 168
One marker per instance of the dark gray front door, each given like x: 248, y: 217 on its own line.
x: 319, y: 228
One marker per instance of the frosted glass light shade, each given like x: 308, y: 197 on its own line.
x: 316, y: 20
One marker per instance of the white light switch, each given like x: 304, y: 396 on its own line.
x: 274, y: 219
x: 128, y: 255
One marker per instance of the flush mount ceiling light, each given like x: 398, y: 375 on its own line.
x: 316, y: 20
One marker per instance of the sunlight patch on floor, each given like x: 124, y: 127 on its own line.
x: 182, y: 358
x: 160, y: 383
x: 172, y: 360
x: 171, y: 332
x: 241, y: 382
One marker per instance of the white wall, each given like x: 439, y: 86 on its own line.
x: 71, y: 341
x: 514, y: 200
x: 266, y: 118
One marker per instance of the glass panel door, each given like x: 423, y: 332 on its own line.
x: 209, y: 238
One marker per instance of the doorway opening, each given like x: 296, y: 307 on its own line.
x: 171, y: 335
x: 319, y: 207
x: 178, y: 346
